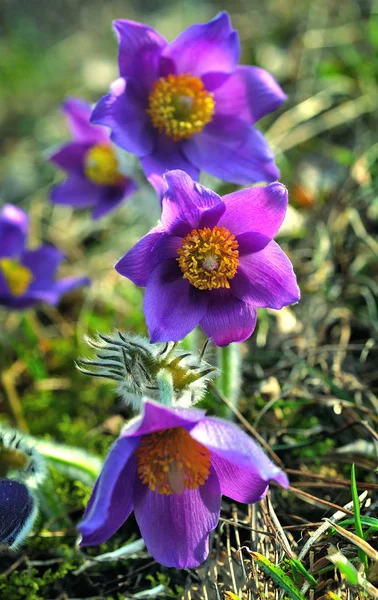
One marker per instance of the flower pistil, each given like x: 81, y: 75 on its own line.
x: 209, y: 258
x: 18, y: 278
x: 101, y: 165
x: 180, y: 106
x: 170, y: 461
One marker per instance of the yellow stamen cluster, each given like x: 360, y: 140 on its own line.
x: 179, y: 106
x: 101, y: 165
x: 17, y: 277
x: 209, y: 258
x: 170, y: 461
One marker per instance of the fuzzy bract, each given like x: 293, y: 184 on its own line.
x: 28, y: 277
x: 212, y: 261
x: 140, y: 369
x: 171, y: 467
x: 187, y: 105
x: 95, y: 175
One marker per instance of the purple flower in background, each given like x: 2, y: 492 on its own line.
x: 18, y: 511
x: 188, y: 105
x: 171, y: 467
x: 212, y: 261
x: 92, y: 165
x: 27, y: 277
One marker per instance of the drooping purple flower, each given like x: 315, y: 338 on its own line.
x: 28, y: 277
x: 212, y: 261
x: 95, y: 177
x: 188, y: 105
x: 18, y: 511
x: 171, y: 466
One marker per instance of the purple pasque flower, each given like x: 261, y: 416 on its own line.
x: 188, y: 105
x: 212, y: 261
x: 27, y: 277
x: 94, y: 172
x: 18, y: 511
x: 171, y: 466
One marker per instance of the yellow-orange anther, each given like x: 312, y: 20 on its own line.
x: 179, y: 106
x: 209, y: 258
x: 170, y: 461
x: 101, y: 165
x: 17, y: 277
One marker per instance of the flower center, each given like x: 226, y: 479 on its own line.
x: 101, y: 165
x: 170, y: 461
x: 208, y: 257
x: 17, y: 277
x: 179, y: 106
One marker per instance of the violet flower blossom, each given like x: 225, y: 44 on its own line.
x: 171, y: 466
x: 18, y: 511
x: 27, y: 277
x: 94, y: 172
x: 188, y: 105
x: 212, y: 261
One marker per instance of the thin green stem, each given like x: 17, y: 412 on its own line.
x: 229, y: 364
x: 166, y: 390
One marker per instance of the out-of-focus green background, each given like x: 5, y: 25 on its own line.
x: 310, y: 374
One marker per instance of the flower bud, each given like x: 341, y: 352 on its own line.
x: 19, y: 459
x: 139, y: 368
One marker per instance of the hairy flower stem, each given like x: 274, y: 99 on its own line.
x: 229, y: 364
x: 166, y: 390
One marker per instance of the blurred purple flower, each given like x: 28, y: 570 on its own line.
x: 18, y: 511
x: 212, y: 261
x: 171, y: 467
x: 188, y: 105
x: 27, y: 277
x: 94, y: 177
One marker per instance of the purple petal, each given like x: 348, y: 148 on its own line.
x: 126, y: 116
x: 17, y: 512
x: 48, y: 293
x: 263, y: 210
x: 228, y: 319
x: 186, y: 204
x: 251, y: 242
x: 166, y: 156
x: 112, y: 196
x: 140, y: 47
x: 232, y: 150
x: 43, y: 262
x: 66, y: 285
x: 249, y: 94
x: 141, y: 260
x: 78, y: 115
x: 205, y: 48
x: 13, y: 230
x: 243, y: 469
x: 111, y: 501
x: 172, y: 306
x: 266, y: 279
x: 157, y: 417
x: 70, y: 157
x: 76, y: 191
x: 176, y: 528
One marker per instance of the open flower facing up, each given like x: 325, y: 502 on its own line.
x: 212, y: 261
x: 171, y: 467
x: 27, y: 277
x: 188, y: 105
x: 94, y: 172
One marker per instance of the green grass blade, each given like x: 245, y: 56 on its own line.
x: 357, y: 517
x: 299, y: 567
x: 278, y: 576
